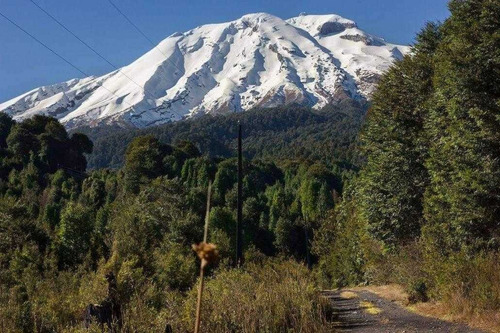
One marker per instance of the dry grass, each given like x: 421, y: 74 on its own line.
x: 274, y: 297
x: 271, y: 296
x: 488, y: 320
x: 391, y: 292
x: 370, y: 308
x: 348, y: 294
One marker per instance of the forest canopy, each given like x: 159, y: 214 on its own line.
x: 282, y: 133
x: 62, y: 226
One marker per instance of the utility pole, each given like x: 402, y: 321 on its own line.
x: 308, y: 255
x: 239, y: 226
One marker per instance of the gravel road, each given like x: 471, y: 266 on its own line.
x: 365, y: 312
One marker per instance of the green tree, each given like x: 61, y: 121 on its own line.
x: 225, y: 178
x: 21, y: 142
x: 463, y: 201
x: 74, y: 234
x: 394, y: 141
x: 144, y: 161
x: 6, y: 124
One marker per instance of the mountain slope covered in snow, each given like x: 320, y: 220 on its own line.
x: 258, y: 60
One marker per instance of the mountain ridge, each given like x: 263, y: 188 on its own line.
x: 258, y: 60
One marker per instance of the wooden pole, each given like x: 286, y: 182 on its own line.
x: 198, y: 304
x: 239, y: 226
x: 308, y: 255
x: 203, y: 263
x: 207, y: 212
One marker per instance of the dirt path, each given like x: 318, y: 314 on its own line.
x: 364, y: 312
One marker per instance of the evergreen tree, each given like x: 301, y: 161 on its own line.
x: 74, y: 234
x: 463, y: 200
x: 144, y: 160
x: 393, y: 180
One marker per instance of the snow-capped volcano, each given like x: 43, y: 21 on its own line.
x: 258, y: 60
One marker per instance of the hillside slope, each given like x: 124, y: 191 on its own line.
x: 258, y: 60
x: 276, y: 134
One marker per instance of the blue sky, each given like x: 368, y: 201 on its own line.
x: 25, y: 65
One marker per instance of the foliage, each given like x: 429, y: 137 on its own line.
x: 74, y: 234
x: 282, y: 133
x: 341, y: 245
x: 462, y: 203
x: 275, y: 296
x: 394, y: 179
x: 424, y: 209
x: 61, y: 229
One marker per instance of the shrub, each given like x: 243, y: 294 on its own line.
x: 468, y: 284
x: 277, y: 296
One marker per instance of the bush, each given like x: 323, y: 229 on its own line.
x: 341, y: 245
x: 468, y: 284
x: 175, y: 266
x: 277, y: 296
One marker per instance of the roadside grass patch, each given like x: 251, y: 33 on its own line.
x: 370, y: 308
x: 348, y: 294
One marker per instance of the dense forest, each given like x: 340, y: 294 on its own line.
x: 62, y: 230
x: 413, y: 199
x: 290, y: 132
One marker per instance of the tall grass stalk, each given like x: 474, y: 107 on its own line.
x: 203, y: 262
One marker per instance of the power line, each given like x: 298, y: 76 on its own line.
x: 60, y: 56
x: 44, y: 45
x: 92, y: 49
x: 152, y: 43
x: 100, y: 55
x: 74, y: 35
x: 136, y: 27
x: 148, y: 39
x: 70, y: 63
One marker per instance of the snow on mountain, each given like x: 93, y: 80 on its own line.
x: 365, y: 57
x: 258, y: 60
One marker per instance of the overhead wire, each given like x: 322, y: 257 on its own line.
x: 152, y: 43
x: 96, y: 52
x: 59, y: 56
x: 136, y: 27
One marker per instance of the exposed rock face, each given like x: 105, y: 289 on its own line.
x: 367, y: 40
x: 335, y: 27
